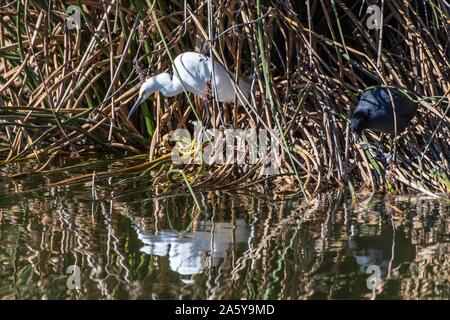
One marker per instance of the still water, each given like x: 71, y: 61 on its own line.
x: 129, y: 243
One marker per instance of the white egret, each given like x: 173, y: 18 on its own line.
x: 194, y: 71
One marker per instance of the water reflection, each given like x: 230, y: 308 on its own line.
x: 242, y: 246
x: 188, y: 253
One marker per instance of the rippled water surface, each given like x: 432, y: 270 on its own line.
x: 130, y: 243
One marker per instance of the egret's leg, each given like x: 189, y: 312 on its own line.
x: 206, y: 100
x: 222, y: 117
x: 208, y: 114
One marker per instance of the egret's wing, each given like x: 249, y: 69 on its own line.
x: 227, y: 88
x: 194, y: 70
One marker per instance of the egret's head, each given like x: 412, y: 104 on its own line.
x: 147, y: 89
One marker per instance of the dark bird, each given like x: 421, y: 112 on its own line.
x: 374, y: 111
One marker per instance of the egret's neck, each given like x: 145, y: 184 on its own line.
x: 167, y: 86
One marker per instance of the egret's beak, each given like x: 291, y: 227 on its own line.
x: 135, y: 106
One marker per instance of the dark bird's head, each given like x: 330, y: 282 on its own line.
x: 359, y: 122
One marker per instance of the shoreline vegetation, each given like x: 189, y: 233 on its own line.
x: 65, y: 92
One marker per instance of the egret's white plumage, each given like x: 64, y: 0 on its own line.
x: 194, y: 71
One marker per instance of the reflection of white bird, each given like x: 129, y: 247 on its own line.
x: 186, y: 253
x: 194, y: 71
x: 368, y: 256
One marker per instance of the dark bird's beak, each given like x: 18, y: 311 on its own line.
x: 356, y: 134
x: 135, y: 106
